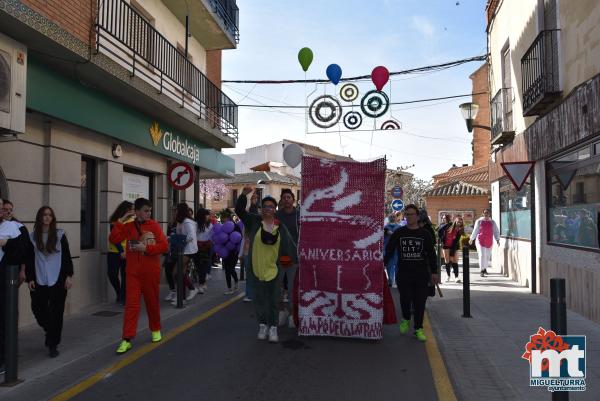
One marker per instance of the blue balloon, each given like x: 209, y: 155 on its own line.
x: 334, y: 73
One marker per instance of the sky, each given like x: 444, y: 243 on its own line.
x: 359, y: 35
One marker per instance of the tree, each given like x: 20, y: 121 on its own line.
x: 212, y: 189
x: 414, y: 188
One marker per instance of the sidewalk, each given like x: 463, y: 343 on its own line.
x: 90, y: 339
x: 483, y: 354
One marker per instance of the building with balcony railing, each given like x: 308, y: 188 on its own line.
x: 545, y: 77
x: 112, y: 93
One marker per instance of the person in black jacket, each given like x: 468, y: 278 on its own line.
x: 417, y: 270
x: 49, y: 272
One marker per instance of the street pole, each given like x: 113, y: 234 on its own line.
x: 466, y: 283
x: 180, y: 290
x: 558, y: 320
x: 11, y: 322
x: 533, y: 233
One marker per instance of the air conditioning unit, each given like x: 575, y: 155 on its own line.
x: 13, y: 77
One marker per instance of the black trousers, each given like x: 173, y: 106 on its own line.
x: 48, y: 306
x: 116, y: 274
x: 454, y: 268
x: 2, y: 311
x: 229, y: 266
x: 169, y: 265
x: 413, y: 291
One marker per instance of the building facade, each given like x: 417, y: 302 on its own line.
x: 116, y: 92
x: 545, y: 87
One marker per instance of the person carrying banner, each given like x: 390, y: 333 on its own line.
x: 271, y: 249
x: 145, y: 243
x: 417, y: 270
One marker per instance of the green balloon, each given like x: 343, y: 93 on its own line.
x: 305, y: 57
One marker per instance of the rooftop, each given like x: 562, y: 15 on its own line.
x: 268, y: 177
x: 457, y: 188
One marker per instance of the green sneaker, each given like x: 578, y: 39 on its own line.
x: 404, y: 325
x: 124, y: 346
x: 420, y: 335
x: 156, y: 337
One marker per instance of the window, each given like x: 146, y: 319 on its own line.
x: 515, y: 210
x: 88, y: 204
x: 574, y: 199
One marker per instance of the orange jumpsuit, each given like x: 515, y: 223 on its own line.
x: 142, y: 273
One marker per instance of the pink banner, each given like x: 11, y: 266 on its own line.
x: 341, y: 276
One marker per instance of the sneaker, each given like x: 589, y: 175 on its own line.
x: 448, y: 279
x: 124, y: 346
x: 283, y: 318
x: 228, y: 292
x: 404, y: 325
x: 236, y: 287
x: 53, y: 352
x: 191, y: 295
x: 419, y: 335
x: 208, y: 277
x: 482, y: 274
x: 247, y: 299
x: 291, y: 323
x: 458, y: 280
x: 485, y: 271
x: 174, y: 302
x: 273, y: 337
x: 171, y: 296
x: 262, y: 332
x: 201, y: 289
x: 2, y: 369
x: 156, y: 336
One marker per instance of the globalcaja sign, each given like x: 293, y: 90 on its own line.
x: 172, y: 143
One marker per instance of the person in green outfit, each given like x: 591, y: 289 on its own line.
x: 271, y: 249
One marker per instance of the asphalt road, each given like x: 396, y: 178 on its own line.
x: 221, y: 359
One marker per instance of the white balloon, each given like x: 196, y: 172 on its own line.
x: 292, y: 154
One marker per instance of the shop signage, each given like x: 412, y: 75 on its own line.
x: 173, y: 143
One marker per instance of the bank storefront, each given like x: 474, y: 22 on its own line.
x: 83, y: 153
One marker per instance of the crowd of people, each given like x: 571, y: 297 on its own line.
x: 268, y: 254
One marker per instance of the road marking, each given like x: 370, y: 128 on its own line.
x: 443, y: 386
x: 131, y: 357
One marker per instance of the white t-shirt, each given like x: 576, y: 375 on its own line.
x: 188, y: 228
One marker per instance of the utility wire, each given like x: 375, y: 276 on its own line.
x: 356, y: 78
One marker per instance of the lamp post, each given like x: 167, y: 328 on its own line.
x: 469, y: 112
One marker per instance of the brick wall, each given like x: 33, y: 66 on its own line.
x: 73, y: 16
x: 481, y: 137
x: 437, y: 203
x: 213, y: 66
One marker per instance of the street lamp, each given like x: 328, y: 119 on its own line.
x: 469, y: 112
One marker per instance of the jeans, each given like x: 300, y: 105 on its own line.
x: 229, y: 266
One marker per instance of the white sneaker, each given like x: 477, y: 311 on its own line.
x: 273, y: 337
x: 291, y: 323
x: 262, y: 332
x: 171, y: 296
x: 174, y: 302
x: 448, y: 279
x: 247, y: 299
x: 191, y: 295
x: 458, y: 280
x: 283, y: 317
x: 208, y: 277
x: 200, y: 290
x: 228, y: 292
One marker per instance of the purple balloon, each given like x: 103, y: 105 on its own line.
x: 221, y: 251
x: 217, y: 228
x: 221, y: 238
x: 228, y: 227
x: 230, y: 245
x: 235, y: 237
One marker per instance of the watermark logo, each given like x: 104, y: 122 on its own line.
x: 556, y: 362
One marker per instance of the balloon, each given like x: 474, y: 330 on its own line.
x: 380, y: 75
x: 230, y: 246
x: 217, y: 228
x: 305, y: 57
x: 228, y: 227
x: 221, y: 238
x: 334, y: 73
x: 235, y: 237
x: 292, y: 154
x: 221, y: 251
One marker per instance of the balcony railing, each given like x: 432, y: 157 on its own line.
x: 136, y: 45
x: 502, y: 116
x: 229, y: 12
x: 539, y: 68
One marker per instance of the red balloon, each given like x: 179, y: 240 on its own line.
x: 380, y: 75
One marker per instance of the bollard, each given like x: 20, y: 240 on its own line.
x: 558, y: 320
x: 180, y: 289
x: 11, y: 323
x: 466, y: 283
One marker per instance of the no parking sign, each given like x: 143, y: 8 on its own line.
x: 180, y: 175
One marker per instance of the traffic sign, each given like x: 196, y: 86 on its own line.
x: 397, y: 192
x: 180, y: 175
x: 397, y: 205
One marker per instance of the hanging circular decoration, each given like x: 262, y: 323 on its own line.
x: 349, y: 92
x: 325, y: 111
x: 391, y: 124
x: 374, y: 104
x: 352, y: 120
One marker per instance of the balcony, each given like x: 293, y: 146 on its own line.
x: 502, y: 117
x: 132, y: 42
x: 539, y: 69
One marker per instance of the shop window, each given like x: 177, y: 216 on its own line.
x: 88, y: 204
x: 515, y: 210
x: 574, y: 201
